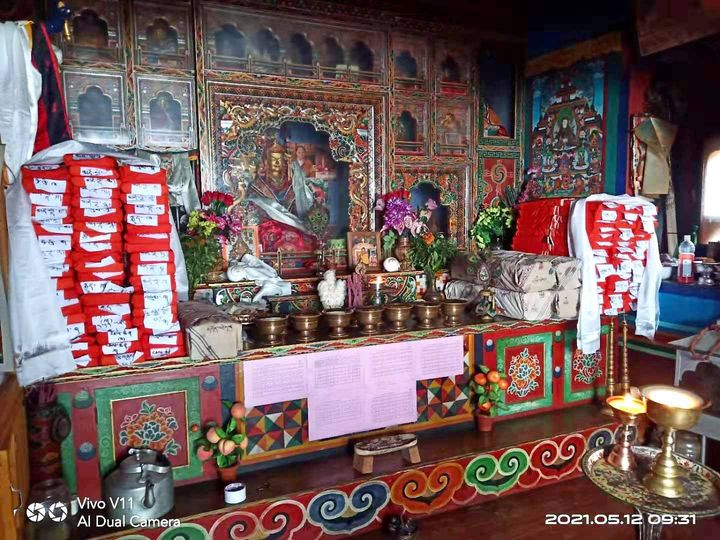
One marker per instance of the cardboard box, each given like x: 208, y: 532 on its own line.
x: 210, y: 333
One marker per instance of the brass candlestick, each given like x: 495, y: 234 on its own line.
x: 671, y: 408
x: 627, y: 410
x: 610, y: 387
x: 624, y: 371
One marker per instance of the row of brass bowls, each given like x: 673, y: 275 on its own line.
x: 271, y: 329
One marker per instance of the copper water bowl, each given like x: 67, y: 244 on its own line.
x: 306, y: 324
x: 270, y: 329
x: 453, y: 311
x: 338, y: 320
x: 398, y: 315
x: 369, y: 318
x: 427, y: 313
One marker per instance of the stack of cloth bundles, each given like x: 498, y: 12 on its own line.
x: 152, y: 267
x: 620, y: 234
x: 526, y: 286
x: 535, y: 287
x: 542, y: 227
x: 50, y: 192
x: 98, y: 260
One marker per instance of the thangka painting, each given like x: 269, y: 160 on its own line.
x: 568, y: 132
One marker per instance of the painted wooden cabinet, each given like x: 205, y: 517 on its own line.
x: 545, y: 369
x: 163, y: 411
x: 14, y: 472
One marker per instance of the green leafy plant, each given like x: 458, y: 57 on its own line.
x: 431, y: 252
x: 489, y: 387
x: 491, y: 225
x: 202, y: 254
x: 225, y: 445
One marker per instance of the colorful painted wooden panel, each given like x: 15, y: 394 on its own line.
x: 585, y: 375
x: 496, y: 174
x: 567, y: 144
x: 276, y: 426
x: 361, y: 506
x: 154, y: 415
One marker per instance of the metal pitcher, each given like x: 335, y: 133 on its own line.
x: 142, y: 486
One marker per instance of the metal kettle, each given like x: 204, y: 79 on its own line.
x: 142, y: 486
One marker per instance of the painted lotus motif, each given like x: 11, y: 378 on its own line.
x: 524, y: 371
x: 587, y: 367
x: 152, y: 427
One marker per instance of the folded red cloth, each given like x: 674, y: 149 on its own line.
x: 542, y: 227
x: 107, y: 309
x: 88, y: 238
x: 122, y: 348
x: 90, y: 160
x: 159, y: 238
x: 104, y: 194
x: 156, y: 353
x: 135, y: 199
x: 147, y: 209
x: 152, y: 284
x: 104, y: 299
x: 95, y: 204
x: 94, y: 262
x: 142, y: 301
x: 151, y: 256
x: 50, y: 213
x: 72, y: 309
x: 59, y: 186
x: 97, y: 227
x: 55, y: 200
x: 85, y: 182
x: 64, y: 283
x: 147, y: 221
x: 97, y: 247
x: 126, y: 359
x: 87, y: 361
x: 98, y: 286
x: 172, y: 339
x: 47, y: 229
x: 134, y: 245
x: 111, y: 215
x: 152, y: 269
x: 93, y: 171
x: 59, y: 270
x: 124, y: 336
x: 142, y: 173
x: 57, y: 172
x: 102, y: 276
x: 157, y: 189
x: 56, y: 257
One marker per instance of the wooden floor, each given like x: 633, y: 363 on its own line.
x: 522, y: 517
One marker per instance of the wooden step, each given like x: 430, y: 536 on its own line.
x: 460, y: 467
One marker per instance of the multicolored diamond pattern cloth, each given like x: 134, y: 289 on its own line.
x: 524, y: 371
x: 276, y: 426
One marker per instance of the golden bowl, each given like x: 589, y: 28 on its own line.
x: 453, y: 311
x: 306, y: 324
x: 398, y: 315
x: 672, y: 407
x: 270, y: 329
x: 369, y: 318
x: 427, y: 313
x: 338, y: 320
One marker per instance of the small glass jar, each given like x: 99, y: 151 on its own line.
x: 49, y: 511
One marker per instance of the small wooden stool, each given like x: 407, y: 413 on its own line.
x: 365, y: 451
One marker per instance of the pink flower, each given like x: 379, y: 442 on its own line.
x: 431, y: 204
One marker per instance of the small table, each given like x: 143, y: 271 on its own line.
x: 702, y: 487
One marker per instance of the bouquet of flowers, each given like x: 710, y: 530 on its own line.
x: 430, y: 251
x: 398, y: 216
x: 208, y: 230
x: 491, y: 225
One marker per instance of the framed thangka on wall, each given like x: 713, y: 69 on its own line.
x: 567, y: 143
x: 300, y: 170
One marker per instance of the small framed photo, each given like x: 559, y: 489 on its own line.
x: 364, y: 247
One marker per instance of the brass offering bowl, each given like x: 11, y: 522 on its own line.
x: 338, y: 320
x: 398, y: 315
x: 306, y: 325
x: 270, y: 329
x: 628, y: 410
x: 453, y: 311
x: 369, y: 318
x: 671, y: 408
x: 427, y: 313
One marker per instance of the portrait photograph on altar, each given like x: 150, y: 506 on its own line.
x: 388, y: 270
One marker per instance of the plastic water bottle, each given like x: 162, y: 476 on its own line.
x: 686, y: 250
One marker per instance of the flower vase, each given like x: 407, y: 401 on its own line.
x: 431, y: 292
x: 217, y: 274
x: 402, y: 251
x: 227, y: 475
x: 483, y: 421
